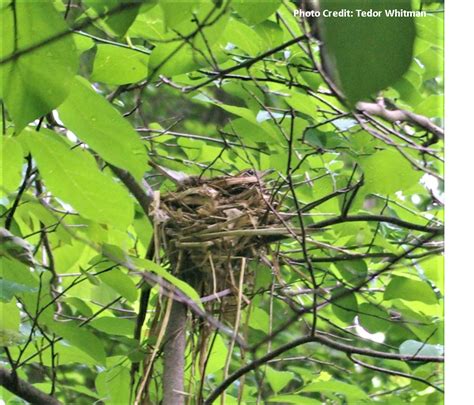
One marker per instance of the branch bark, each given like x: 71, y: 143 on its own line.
x: 175, y: 344
x: 25, y: 390
x: 400, y: 116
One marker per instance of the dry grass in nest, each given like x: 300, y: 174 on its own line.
x: 210, y: 226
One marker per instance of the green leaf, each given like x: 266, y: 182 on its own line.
x: 410, y: 290
x: 119, y: 20
x: 302, y: 103
x: 217, y: 356
x: 10, y: 318
x: 173, y: 59
x: 387, y: 172
x: 433, y: 270
x: 72, y: 175
x: 278, y: 379
x: 255, y: 11
x: 8, y: 289
x: 9, y: 324
x: 148, y: 265
x: 11, y: 164
x: 83, y: 43
x: 81, y: 338
x: 352, y: 270
x: 177, y: 11
x: 96, y: 122
x: 117, y: 65
x: 366, y: 54
x: 351, y: 392
x: 37, y: 81
x: 373, y: 318
x: 121, y: 283
x: 412, y: 347
x: 244, y: 37
x: 320, y: 139
x: 432, y: 106
x: 113, y: 384
x: 259, y: 319
x: 113, y: 326
x: 293, y: 399
x: 345, y: 307
x: 271, y: 33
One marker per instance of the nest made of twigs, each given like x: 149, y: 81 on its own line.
x: 210, y: 227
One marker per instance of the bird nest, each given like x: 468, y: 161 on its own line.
x: 210, y: 227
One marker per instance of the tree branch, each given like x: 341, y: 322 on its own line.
x: 143, y: 198
x: 400, y: 116
x: 246, y: 64
x: 25, y: 390
x: 342, y: 347
x: 377, y: 218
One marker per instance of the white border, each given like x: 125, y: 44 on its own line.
x: 459, y: 79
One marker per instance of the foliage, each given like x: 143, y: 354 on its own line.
x: 103, y: 102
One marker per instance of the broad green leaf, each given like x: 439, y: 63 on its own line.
x: 410, y: 290
x: 17, y: 273
x: 72, y: 175
x: 255, y: 11
x: 171, y: 59
x: 259, y: 319
x: 321, y: 139
x: 121, y: 283
x: 10, y: 164
x: 432, y: 106
x: 177, y: 11
x: 148, y: 265
x: 117, y: 65
x: 373, y: 318
x: 37, y: 81
x: 351, y: 392
x: 244, y: 37
x: 278, y: 379
x: 271, y: 33
x: 81, y: 338
x: 387, y: 172
x: 352, y: 270
x: 345, y: 307
x: 432, y: 60
x: 119, y: 14
x: 96, y: 122
x: 412, y: 347
x: 217, y: 356
x: 366, y: 54
x: 10, y: 318
x: 83, y: 43
x: 9, y: 323
x: 433, y: 270
x: 293, y: 399
x: 80, y: 305
x: 113, y: 326
x: 113, y: 384
x: 302, y: 103
x: 8, y: 289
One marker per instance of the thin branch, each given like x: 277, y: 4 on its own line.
x: 401, y: 116
x: 342, y: 347
x: 24, y: 389
x: 393, y: 372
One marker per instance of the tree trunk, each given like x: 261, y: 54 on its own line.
x: 175, y: 343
